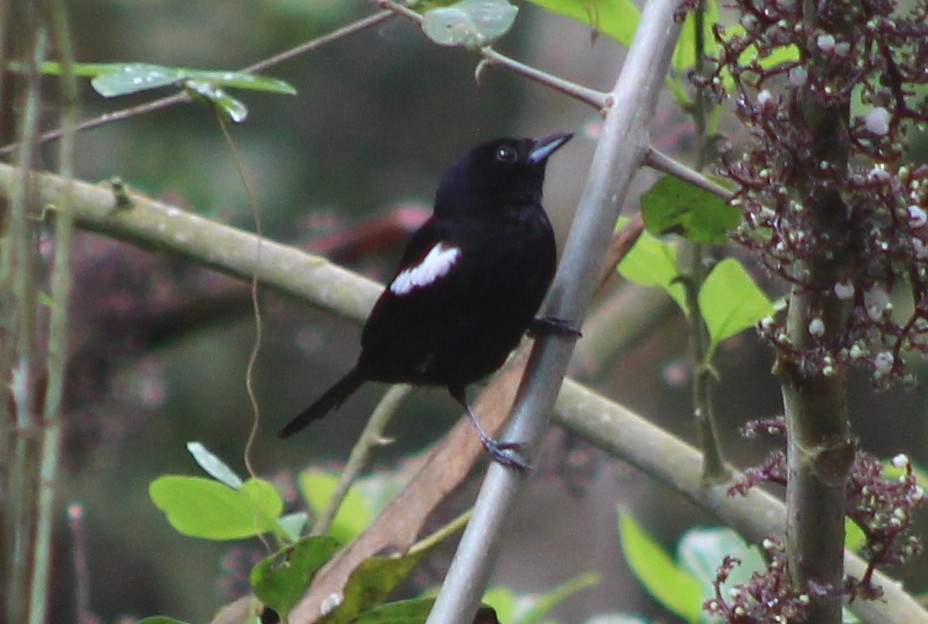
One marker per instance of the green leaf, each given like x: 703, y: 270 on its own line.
x: 854, y: 536
x: 353, y: 516
x: 280, y: 581
x: 213, y: 466
x: 234, y: 109
x: 414, y: 611
x: 730, y: 302
x: 469, y: 23
x: 701, y: 551
x: 376, y: 577
x: 616, y: 18
x: 112, y: 79
x: 208, y: 509
x: 541, y: 604
x: 673, y: 206
x: 370, y: 583
x: 292, y: 524
x: 652, y: 262
x: 674, y: 588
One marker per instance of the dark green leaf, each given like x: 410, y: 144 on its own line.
x: 208, y: 509
x: 616, y: 18
x: 414, y: 611
x: 730, y: 302
x: 674, y: 588
x: 280, y: 581
x: 673, y: 206
x: 469, y: 23
x: 370, y: 583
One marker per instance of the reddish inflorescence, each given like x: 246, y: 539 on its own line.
x: 859, y: 63
x: 882, y: 507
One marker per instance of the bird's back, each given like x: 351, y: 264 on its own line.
x: 461, y: 326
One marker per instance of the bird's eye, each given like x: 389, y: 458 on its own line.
x: 506, y: 154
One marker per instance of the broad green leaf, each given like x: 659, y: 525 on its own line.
x: 208, y: 509
x: 616, y: 18
x: 730, y: 302
x: 280, y: 581
x: 674, y: 588
x: 353, y: 516
x: 673, y: 206
x: 469, y: 23
x: 213, y: 466
x: 653, y: 262
x: 112, y: 79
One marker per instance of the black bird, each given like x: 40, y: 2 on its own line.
x: 468, y: 285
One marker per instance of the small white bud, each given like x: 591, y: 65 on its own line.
x: 883, y: 362
x: 844, y: 290
x: 876, y: 300
x: 825, y: 43
x: 817, y: 327
x: 901, y: 460
x: 797, y: 76
x: 921, y: 249
x: 878, y: 174
x: 765, y: 98
x: 917, y: 216
x: 877, y: 121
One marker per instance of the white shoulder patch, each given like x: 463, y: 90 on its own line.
x: 437, y: 262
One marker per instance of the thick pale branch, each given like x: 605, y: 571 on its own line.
x: 312, y: 279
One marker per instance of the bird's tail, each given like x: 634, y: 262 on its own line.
x: 332, y: 398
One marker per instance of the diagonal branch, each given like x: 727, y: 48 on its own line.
x: 285, y: 269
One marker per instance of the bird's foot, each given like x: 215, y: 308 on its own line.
x: 509, y: 454
x: 552, y: 326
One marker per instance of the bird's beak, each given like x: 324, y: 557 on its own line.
x: 547, y: 146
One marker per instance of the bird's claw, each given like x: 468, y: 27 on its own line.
x: 552, y: 326
x: 509, y: 454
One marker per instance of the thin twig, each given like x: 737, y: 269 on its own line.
x: 183, y: 96
x: 370, y: 438
x: 21, y: 261
x: 619, y: 153
x: 662, y: 162
x: 598, y: 100
x: 57, y: 358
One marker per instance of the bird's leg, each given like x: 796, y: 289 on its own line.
x: 509, y: 454
x: 552, y: 326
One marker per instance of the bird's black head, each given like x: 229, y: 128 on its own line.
x: 504, y: 170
